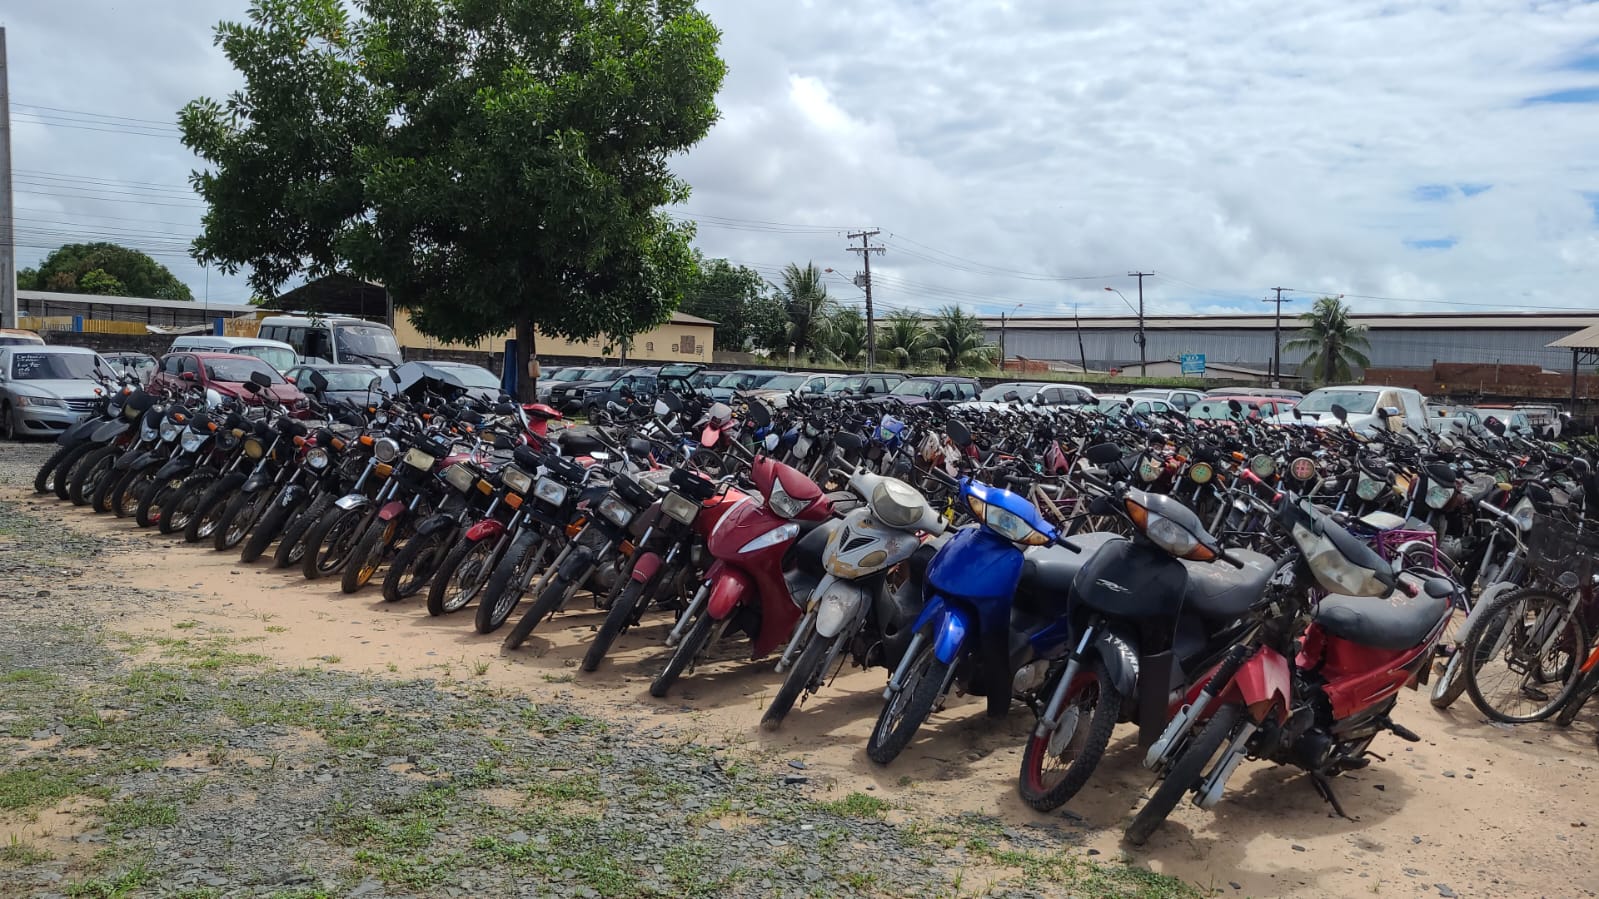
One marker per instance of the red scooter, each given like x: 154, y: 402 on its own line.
x: 1370, y: 634
x: 747, y: 585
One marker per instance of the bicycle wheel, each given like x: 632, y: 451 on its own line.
x: 1531, y: 646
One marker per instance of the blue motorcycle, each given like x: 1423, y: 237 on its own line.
x: 992, y: 608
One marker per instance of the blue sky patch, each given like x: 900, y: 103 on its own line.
x: 1431, y: 243
x: 1569, y: 95
x: 1432, y: 193
x: 1471, y: 190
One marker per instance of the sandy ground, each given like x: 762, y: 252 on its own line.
x: 1473, y: 810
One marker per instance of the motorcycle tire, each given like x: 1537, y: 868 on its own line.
x: 267, y: 529
x: 153, y: 502
x: 129, y: 489
x: 368, y: 554
x: 208, y: 510
x: 100, y: 502
x: 45, y: 480
x: 238, y: 517
x: 573, y: 572
x: 92, y: 470
x: 1185, y: 772
x: 504, y: 589
x: 1450, y: 683
x: 798, y: 680
x: 185, y: 504
x: 623, y: 613
x: 1585, y: 690
x: 472, y: 560
x: 329, y: 542
x: 415, y: 565
x: 924, y: 684
x: 694, y: 643
x: 69, y: 467
x: 291, y: 546
x: 1088, y: 741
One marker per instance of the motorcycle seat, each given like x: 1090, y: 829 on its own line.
x: 812, y: 544
x: 579, y: 441
x: 1218, y: 590
x: 1398, y: 622
x: 1048, y: 572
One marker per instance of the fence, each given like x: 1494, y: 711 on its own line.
x: 244, y: 326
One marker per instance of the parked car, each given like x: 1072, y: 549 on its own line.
x: 568, y: 396
x: 1280, y: 393
x: 355, y: 383
x: 1029, y: 394
x: 275, y: 353
x: 735, y: 382
x: 775, y: 393
x: 642, y: 385
x: 140, y: 365
x: 1549, y: 420
x: 942, y: 389
x: 1516, y: 421
x: 43, y: 389
x: 1179, y: 399
x: 553, y: 377
x: 480, y: 382
x: 1217, y: 407
x: 861, y: 386
x: 1364, y: 405
x: 226, y: 374
x: 19, y: 337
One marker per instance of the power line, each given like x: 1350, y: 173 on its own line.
x: 98, y: 115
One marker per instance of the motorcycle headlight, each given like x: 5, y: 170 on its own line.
x: 897, y: 503
x: 1439, y: 495
x: 517, y: 479
x: 212, y: 398
x: 1304, y: 468
x: 1148, y: 469
x: 192, y: 440
x: 1367, y: 487
x: 148, y: 433
x: 616, y: 511
x: 387, y: 449
x: 552, y: 492
x: 783, y: 504
x: 679, y: 507
x: 460, y: 477
x: 1522, y: 514
x: 1164, y: 533
x: 253, y: 447
x: 1263, y: 466
x: 781, y: 534
x: 169, y: 431
x: 1006, y: 524
x: 1201, y: 472
x: 318, y: 458
x: 419, y: 459
x: 1333, y: 571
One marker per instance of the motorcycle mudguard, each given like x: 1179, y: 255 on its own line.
x: 645, y: 566
x: 391, y: 510
x: 1263, y: 685
x: 841, y: 603
x: 1121, y: 660
x: 353, y: 501
x: 488, y: 528
x: 129, y: 460
x: 80, y: 431
x: 108, y: 431
x: 710, y: 437
x: 256, y: 481
x: 174, y: 468
x: 730, y: 589
x: 434, y: 524
x: 292, y: 494
x: 950, y: 634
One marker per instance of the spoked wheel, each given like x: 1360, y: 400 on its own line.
x: 267, y: 528
x: 329, y: 544
x: 184, y: 505
x: 1586, y: 688
x: 415, y: 564
x: 1450, y: 684
x: 368, y: 555
x: 905, y: 711
x: 240, y: 515
x: 1186, y: 772
x: 90, y: 473
x: 1058, y: 764
x: 292, y: 545
x: 44, y: 481
x: 623, y: 612
x: 508, y: 580
x: 462, y: 575
x: 694, y: 643
x: 1532, y: 647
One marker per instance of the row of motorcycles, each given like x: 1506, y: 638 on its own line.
x: 1233, y: 589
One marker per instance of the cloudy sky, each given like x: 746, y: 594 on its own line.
x: 1425, y: 157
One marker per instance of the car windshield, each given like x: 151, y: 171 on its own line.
x: 347, y: 379
x: 277, y: 357
x: 786, y: 382
x: 52, y: 366
x: 472, y: 375
x: 1358, y: 402
x: 735, y: 379
x: 372, y: 344
x: 604, y: 374
x: 915, y: 387
x: 852, y: 384
x: 1218, y: 410
x: 239, y: 369
x: 18, y: 340
x: 996, y: 394
x: 568, y: 374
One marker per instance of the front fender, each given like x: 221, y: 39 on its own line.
x: 433, y: 524
x: 353, y: 501
x: 257, y: 480
x: 645, y: 567
x: 730, y: 588
x: 1263, y: 685
x: 1121, y: 659
x: 487, y: 529
x: 130, y: 460
x: 950, y: 628
x: 292, y: 495
x: 841, y: 603
x: 392, y: 509
x: 175, y: 468
x: 109, y: 431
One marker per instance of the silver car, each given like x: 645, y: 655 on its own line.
x: 45, y: 389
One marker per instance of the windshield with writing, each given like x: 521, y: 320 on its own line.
x: 52, y: 366
x: 237, y: 371
x: 1358, y: 402
x: 371, y: 344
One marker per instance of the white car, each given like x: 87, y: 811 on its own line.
x: 1029, y: 395
x: 775, y: 393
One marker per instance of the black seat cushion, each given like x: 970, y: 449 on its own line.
x: 1048, y: 572
x: 1218, y: 590
x: 1397, y: 622
x: 578, y: 441
x: 812, y: 544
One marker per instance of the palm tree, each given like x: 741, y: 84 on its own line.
x: 844, y: 342
x: 959, y: 340
x: 810, y: 309
x: 904, y: 340
x: 1334, y: 344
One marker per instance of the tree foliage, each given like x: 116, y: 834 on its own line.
x: 491, y: 162
x: 810, y: 309
x: 735, y: 297
x: 1333, y: 343
x: 105, y: 269
x: 905, y: 341
x: 960, y: 341
x: 844, y: 340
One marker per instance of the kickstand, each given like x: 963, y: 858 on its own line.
x: 1324, y: 788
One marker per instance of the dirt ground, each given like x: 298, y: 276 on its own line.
x: 1473, y: 810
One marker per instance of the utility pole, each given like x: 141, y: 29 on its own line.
x: 866, y: 250
x: 1143, y: 344
x: 1002, y: 335
x: 8, y: 218
x: 1277, y: 338
x: 1082, y: 353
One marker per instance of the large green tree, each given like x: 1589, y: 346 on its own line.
x: 735, y: 297
x: 494, y: 163
x: 810, y: 309
x: 958, y: 337
x: 1332, y: 342
x: 904, y: 340
x: 105, y: 269
x: 843, y: 342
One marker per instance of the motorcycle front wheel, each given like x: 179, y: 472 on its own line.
x: 368, y: 554
x: 694, y: 643
x: 806, y: 670
x: 91, y: 472
x: 1076, y: 744
x: 462, y: 575
x: 415, y: 564
x: 505, y: 586
x: 44, y: 481
x: 905, y: 711
x: 1185, y: 772
x: 573, y: 571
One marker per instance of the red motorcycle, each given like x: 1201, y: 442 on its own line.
x: 747, y: 585
x: 1370, y: 634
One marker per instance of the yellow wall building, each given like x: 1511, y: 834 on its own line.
x: 686, y: 338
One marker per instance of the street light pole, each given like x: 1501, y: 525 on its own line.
x: 1002, y: 335
x: 1143, y: 358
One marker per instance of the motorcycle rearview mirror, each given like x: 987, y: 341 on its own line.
x: 848, y: 442
x: 502, y: 442
x: 661, y: 408
x: 1012, y: 396
x: 394, y: 376
x: 251, y: 385
x: 638, y: 447
x: 959, y: 434
x: 1340, y: 413
x: 1495, y: 425
x: 671, y: 400
x: 1236, y: 408
x: 504, y: 408
x: 1101, y: 454
x: 759, y: 414
x: 771, y: 441
x: 319, y: 381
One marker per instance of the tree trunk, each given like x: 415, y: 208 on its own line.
x: 526, y: 385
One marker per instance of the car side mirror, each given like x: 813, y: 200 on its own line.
x: 291, y: 379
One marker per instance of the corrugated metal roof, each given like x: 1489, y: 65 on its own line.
x: 1433, y: 321
x: 683, y: 318
x: 46, y: 296
x: 1586, y: 339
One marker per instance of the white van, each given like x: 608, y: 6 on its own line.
x: 275, y: 353
x: 1364, y: 405
x: 333, y: 339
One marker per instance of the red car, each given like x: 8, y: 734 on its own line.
x: 1216, y: 408
x: 225, y: 373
